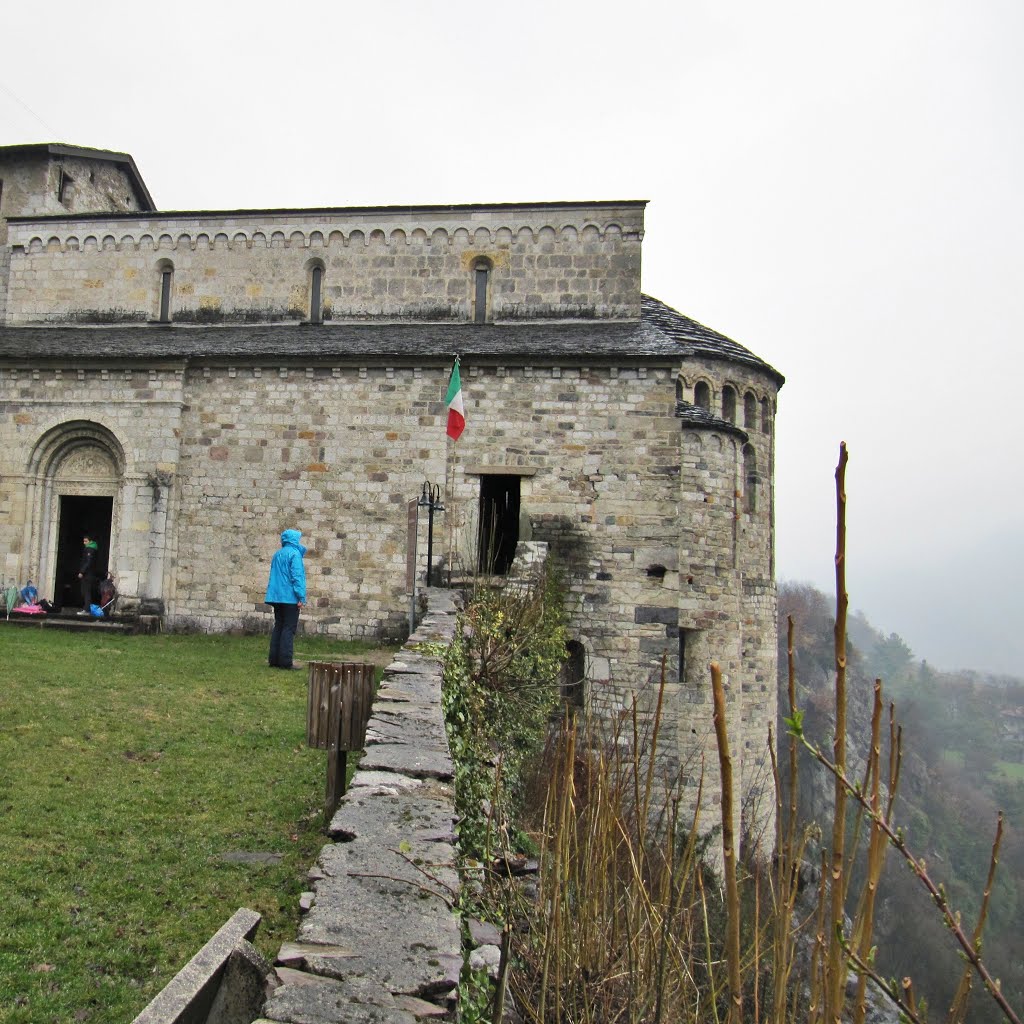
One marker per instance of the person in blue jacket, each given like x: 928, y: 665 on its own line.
x: 286, y: 593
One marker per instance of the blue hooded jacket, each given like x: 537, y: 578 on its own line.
x: 287, y: 583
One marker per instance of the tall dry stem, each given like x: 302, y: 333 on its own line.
x: 936, y: 892
x: 819, y: 950
x: 615, y: 915
x: 732, y: 897
x: 835, y: 971
x: 958, y: 1008
x: 864, y: 919
x: 789, y: 854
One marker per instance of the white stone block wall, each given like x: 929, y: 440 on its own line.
x: 647, y: 518
x: 84, y: 432
x: 662, y: 526
x: 727, y: 579
x: 418, y: 265
x: 32, y: 183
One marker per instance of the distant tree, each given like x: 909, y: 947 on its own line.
x: 892, y: 660
x: 861, y: 632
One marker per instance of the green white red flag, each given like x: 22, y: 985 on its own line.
x: 456, y: 410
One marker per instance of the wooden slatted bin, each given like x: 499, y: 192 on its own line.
x: 338, y: 704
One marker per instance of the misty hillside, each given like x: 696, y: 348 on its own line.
x: 963, y: 762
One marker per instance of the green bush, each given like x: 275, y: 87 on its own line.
x: 500, y: 687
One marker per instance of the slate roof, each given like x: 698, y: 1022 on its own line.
x: 698, y: 340
x: 700, y: 419
x: 661, y: 336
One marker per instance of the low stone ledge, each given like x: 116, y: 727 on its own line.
x: 224, y: 983
x: 392, y: 907
x: 409, y: 760
x: 400, y: 730
x: 414, y: 688
x: 413, y: 663
x: 384, y: 782
x: 309, y: 999
x: 411, y: 724
x: 379, y: 940
x: 401, y: 703
x: 419, y: 814
x: 295, y: 954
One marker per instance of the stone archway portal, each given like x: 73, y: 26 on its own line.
x: 75, y: 479
x: 80, y: 515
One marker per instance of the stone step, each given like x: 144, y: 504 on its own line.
x: 67, y: 622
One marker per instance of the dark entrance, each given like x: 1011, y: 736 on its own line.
x: 574, y: 674
x: 499, y: 522
x: 80, y: 516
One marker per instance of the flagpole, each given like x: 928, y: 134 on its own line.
x: 451, y: 454
x: 448, y: 483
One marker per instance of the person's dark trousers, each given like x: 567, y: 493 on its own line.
x: 87, y: 582
x: 282, y: 638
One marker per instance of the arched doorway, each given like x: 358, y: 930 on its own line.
x: 75, y: 476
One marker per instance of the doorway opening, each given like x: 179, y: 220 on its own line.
x: 80, y: 516
x: 499, y: 522
x: 572, y: 684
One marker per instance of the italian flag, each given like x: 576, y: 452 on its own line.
x: 456, y: 412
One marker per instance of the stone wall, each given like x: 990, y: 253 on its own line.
x: 87, y: 432
x: 43, y: 184
x: 380, y: 940
x: 339, y: 452
x: 208, y: 463
x: 727, y: 578
x: 552, y: 260
x: 38, y: 185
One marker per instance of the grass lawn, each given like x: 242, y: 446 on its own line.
x: 129, y: 768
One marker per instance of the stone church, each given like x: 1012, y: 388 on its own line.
x: 183, y: 385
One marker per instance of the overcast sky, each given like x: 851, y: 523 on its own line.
x: 837, y: 187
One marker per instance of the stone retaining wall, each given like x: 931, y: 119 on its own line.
x: 379, y: 940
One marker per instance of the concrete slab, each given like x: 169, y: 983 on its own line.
x: 309, y: 999
x: 294, y: 954
x: 192, y: 991
x: 392, y: 909
x: 417, y: 719
x: 423, y: 689
x: 420, y: 1008
x: 411, y: 661
x: 408, y: 760
x: 408, y: 730
x: 393, y: 819
x: 387, y: 783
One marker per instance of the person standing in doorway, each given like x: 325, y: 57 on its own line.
x: 286, y: 594
x: 87, y: 571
